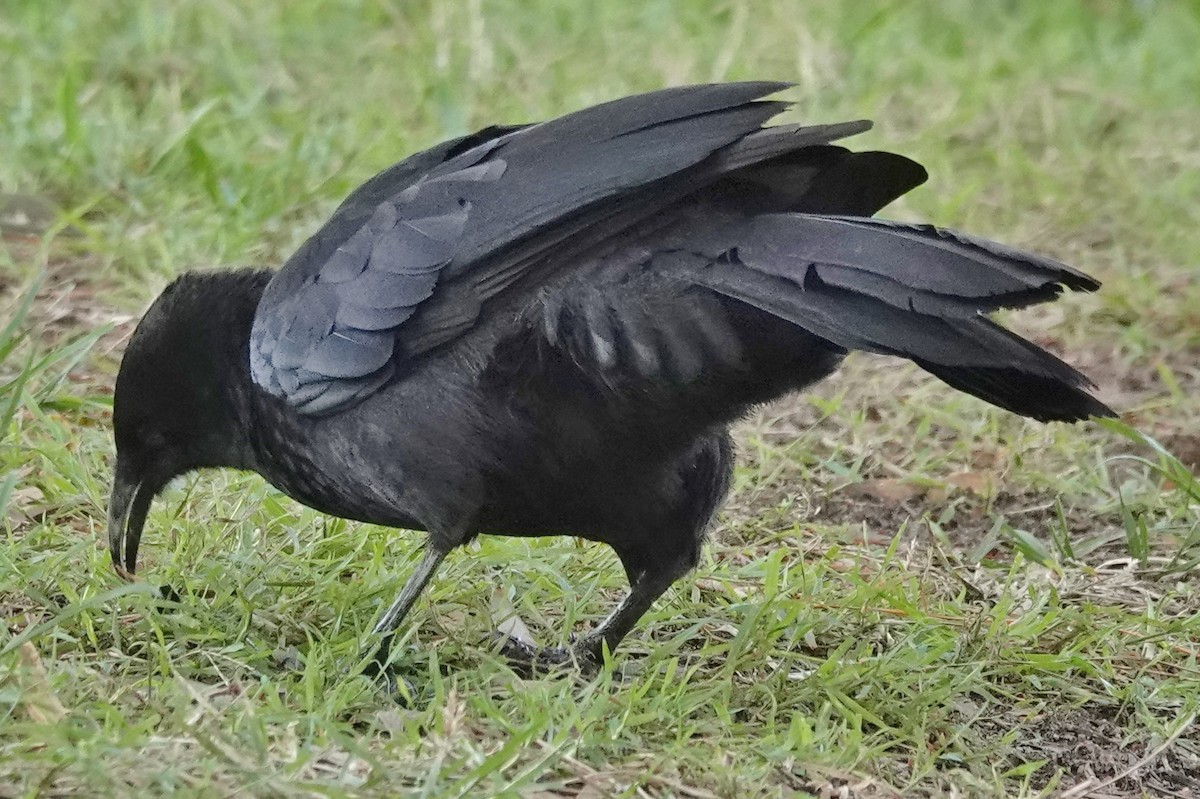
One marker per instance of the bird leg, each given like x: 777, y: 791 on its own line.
x: 644, y: 590
x: 390, y: 620
x: 588, y: 651
x: 655, y: 556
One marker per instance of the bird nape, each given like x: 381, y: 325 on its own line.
x: 548, y: 330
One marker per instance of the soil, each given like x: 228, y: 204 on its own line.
x: 1089, y: 743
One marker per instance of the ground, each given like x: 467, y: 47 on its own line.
x: 909, y: 593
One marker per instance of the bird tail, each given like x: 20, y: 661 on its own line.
x: 914, y: 291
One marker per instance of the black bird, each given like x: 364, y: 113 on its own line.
x: 548, y: 329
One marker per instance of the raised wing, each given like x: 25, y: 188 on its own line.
x: 683, y: 329
x: 364, y: 200
x: 336, y: 322
x: 294, y: 322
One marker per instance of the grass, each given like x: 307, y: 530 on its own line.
x: 910, y: 593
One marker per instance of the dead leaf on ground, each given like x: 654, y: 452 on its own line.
x: 26, y: 504
x: 889, y: 489
x: 510, y: 622
x: 898, y: 491
x: 29, y: 215
x: 976, y: 482
x: 38, y: 701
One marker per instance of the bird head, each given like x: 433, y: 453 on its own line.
x: 181, y: 395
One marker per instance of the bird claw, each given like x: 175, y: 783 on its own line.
x: 385, y: 676
x: 529, y: 660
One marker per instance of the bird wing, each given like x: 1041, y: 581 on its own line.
x: 409, y: 263
x: 688, y: 326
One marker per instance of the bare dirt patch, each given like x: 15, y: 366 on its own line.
x: 1184, y: 446
x: 976, y: 503
x: 977, y: 523
x: 1126, y: 380
x: 69, y: 304
x: 1091, y: 747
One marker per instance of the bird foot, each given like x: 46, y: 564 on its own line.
x: 529, y: 660
x: 390, y: 681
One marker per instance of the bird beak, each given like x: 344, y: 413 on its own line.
x: 127, y: 509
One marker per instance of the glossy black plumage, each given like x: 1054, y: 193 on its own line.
x: 548, y: 330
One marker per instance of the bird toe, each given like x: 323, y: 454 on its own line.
x: 390, y: 681
x: 529, y: 660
